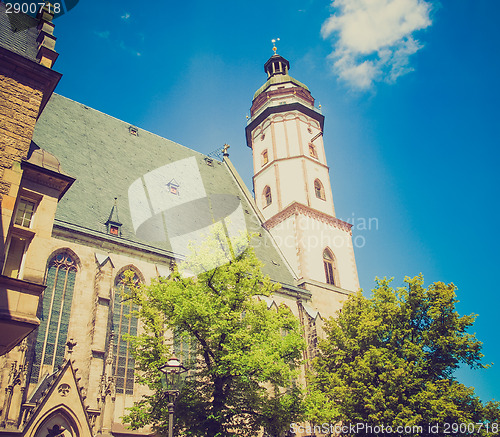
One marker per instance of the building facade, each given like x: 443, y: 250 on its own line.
x: 91, y: 196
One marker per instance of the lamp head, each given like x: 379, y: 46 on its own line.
x: 171, y: 370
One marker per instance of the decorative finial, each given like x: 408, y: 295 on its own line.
x: 226, y: 146
x: 274, y: 44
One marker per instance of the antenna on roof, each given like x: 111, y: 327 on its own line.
x: 274, y: 44
x: 217, y: 154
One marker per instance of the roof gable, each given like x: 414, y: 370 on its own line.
x: 60, y: 406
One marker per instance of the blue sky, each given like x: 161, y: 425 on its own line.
x: 409, y: 89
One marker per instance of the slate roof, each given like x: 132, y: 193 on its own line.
x: 108, y: 161
x: 18, y: 33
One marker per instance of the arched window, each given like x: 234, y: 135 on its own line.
x: 330, y: 268
x: 124, y: 323
x: 267, y: 196
x: 319, y: 190
x: 265, y: 158
x: 54, y: 317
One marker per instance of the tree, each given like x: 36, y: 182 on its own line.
x: 389, y: 360
x: 245, y: 356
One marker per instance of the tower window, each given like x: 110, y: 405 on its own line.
x: 312, y: 151
x: 24, y: 214
x: 330, y: 268
x: 265, y: 157
x: 267, y: 196
x: 319, y: 190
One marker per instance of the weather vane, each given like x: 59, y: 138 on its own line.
x: 274, y: 44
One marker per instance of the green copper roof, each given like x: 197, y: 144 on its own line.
x: 277, y: 79
x: 159, y: 184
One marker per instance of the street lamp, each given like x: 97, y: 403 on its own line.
x: 170, y: 381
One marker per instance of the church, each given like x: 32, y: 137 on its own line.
x: 86, y: 197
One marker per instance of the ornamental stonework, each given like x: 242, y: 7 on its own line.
x: 297, y: 208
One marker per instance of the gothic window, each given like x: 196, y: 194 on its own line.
x: 330, y: 268
x: 124, y: 323
x: 52, y: 333
x: 319, y: 190
x: 185, y: 350
x: 265, y: 157
x: 312, y: 151
x: 267, y: 196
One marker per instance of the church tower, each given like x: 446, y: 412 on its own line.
x: 292, y: 186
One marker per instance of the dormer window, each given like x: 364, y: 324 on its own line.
x: 113, y: 224
x: 173, y: 187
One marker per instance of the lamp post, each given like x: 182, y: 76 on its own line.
x: 171, y: 377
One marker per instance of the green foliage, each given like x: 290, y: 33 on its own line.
x: 389, y: 360
x: 246, y: 355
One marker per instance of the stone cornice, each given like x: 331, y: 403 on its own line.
x: 35, y: 173
x: 42, y: 77
x: 295, y: 91
x: 285, y: 107
x: 288, y: 158
x: 299, y: 209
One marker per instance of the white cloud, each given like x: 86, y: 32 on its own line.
x: 104, y: 35
x: 125, y: 16
x: 374, y: 38
x: 129, y: 49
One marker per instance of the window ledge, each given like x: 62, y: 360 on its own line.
x: 21, y: 231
